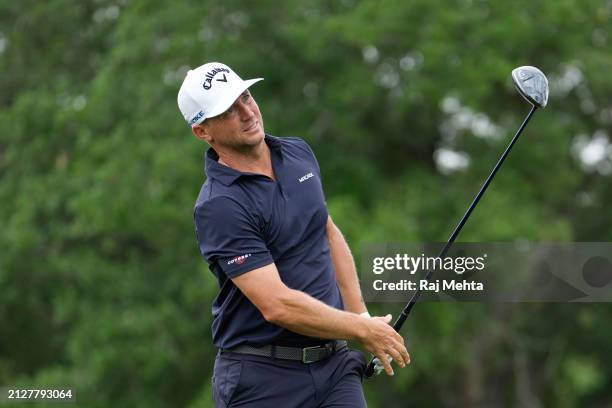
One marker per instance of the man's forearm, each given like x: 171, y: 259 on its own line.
x: 306, y: 315
x: 301, y: 313
x: 346, y: 274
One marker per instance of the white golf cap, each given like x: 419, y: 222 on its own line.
x: 209, y: 90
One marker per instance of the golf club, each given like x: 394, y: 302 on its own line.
x: 533, y: 86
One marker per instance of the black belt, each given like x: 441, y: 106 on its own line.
x: 305, y: 355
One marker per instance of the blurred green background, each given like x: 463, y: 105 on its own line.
x: 407, y: 105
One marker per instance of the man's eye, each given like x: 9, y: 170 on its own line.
x: 228, y: 112
x: 246, y: 97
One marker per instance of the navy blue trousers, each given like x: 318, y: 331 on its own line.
x: 241, y: 380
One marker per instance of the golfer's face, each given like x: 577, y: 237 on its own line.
x: 239, y: 126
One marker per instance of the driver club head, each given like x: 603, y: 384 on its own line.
x: 532, y: 84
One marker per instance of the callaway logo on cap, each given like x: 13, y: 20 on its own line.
x: 210, y: 90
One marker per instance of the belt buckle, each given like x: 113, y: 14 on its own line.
x: 305, y: 359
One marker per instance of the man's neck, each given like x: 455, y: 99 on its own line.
x: 257, y: 160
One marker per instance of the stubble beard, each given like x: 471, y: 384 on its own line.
x: 247, y: 144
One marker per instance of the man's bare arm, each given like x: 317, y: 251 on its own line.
x: 346, y: 273
x: 303, y: 314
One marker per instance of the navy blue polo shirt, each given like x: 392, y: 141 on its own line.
x: 245, y: 221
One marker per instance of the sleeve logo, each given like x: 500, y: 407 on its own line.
x: 239, y: 260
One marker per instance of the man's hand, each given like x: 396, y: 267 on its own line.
x: 381, y: 340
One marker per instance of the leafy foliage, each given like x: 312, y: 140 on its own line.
x: 101, y: 285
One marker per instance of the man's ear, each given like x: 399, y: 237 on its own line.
x: 201, y: 132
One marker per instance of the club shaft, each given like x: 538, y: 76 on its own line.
x: 399, y: 322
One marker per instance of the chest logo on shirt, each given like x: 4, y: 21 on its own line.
x: 239, y: 260
x: 305, y: 177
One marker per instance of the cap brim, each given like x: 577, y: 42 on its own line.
x: 230, y: 97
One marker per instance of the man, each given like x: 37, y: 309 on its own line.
x: 289, y: 295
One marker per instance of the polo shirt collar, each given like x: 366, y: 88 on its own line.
x: 227, y: 175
